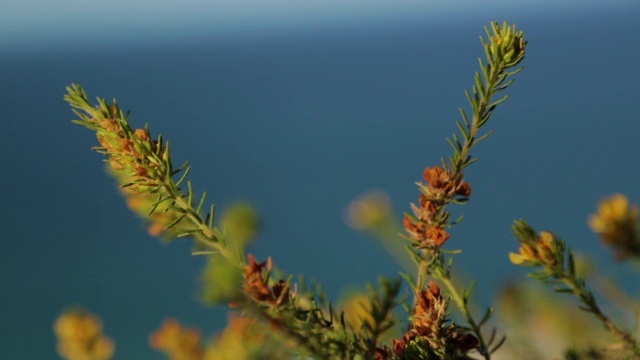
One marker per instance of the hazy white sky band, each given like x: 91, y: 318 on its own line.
x: 50, y: 22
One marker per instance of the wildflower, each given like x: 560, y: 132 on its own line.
x: 426, y: 235
x: 254, y: 283
x: 436, y: 177
x: 80, y: 337
x: 537, y: 251
x: 426, y: 227
x: 177, y: 342
x: 128, y: 157
x: 430, y: 311
x: 427, y: 210
x: 257, y: 288
x: 128, y: 152
x: 443, y: 185
x: 617, y: 223
x: 138, y: 162
x: 431, y: 329
x: 437, y: 235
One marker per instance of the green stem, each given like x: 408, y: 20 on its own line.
x: 494, y: 73
x: 422, y: 272
x: 589, y: 301
x: 302, y: 340
x: 206, y: 236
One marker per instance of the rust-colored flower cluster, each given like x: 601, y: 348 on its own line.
x: 80, y: 337
x: 177, y: 342
x: 431, y: 329
x: 442, y: 187
x: 256, y: 287
x: 617, y: 223
x: 134, y: 159
x: 128, y: 152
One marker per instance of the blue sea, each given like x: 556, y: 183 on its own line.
x: 300, y: 121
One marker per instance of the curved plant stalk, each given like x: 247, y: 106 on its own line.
x: 555, y: 265
x: 144, y: 170
x: 145, y: 173
x: 504, y: 49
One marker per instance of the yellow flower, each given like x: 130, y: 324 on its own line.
x: 617, y: 223
x: 80, y: 337
x: 369, y: 211
x: 611, y: 213
x: 538, y: 251
x: 177, y: 342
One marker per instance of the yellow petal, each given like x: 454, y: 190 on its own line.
x: 547, y: 239
x: 528, y: 252
x: 516, y: 259
x: 614, y: 207
x: 597, y: 224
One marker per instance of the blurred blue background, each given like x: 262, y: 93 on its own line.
x: 298, y: 107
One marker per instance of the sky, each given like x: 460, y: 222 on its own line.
x: 56, y: 23
x: 298, y: 107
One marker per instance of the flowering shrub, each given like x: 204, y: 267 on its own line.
x: 274, y: 316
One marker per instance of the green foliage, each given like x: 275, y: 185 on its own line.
x: 504, y: 49
x: 382, y: 301
x: 298, y: 319
x: 555, y: 265
x: 146, y: 174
